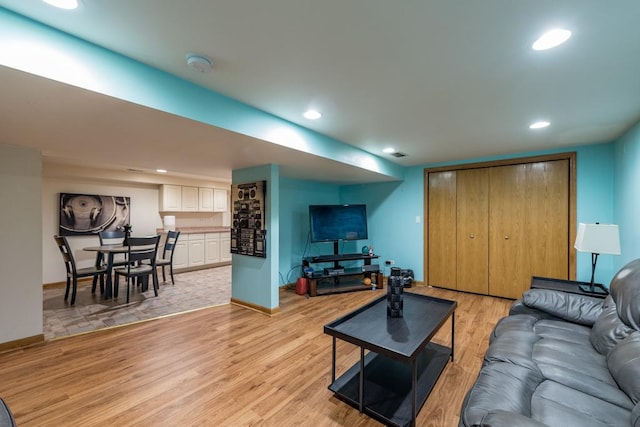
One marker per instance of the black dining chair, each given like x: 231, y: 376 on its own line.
x: 141, y: 263
x: 113, y: 238
x: 167, y: 254
x: 74, y: 273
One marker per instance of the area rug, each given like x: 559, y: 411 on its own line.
x: 192, y: 290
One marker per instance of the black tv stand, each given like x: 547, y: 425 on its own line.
x: 336, y: 279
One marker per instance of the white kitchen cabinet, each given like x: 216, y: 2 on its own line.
x: 181, y: 254
x: 196, y: 249
x: 205, y: 199
x: 212, y: 248
x: 189, y: 199
x: 201, y: 250
x: 170, y: 198
x: 220, y: 200
x: 178, y: 198
x: 225, y: 246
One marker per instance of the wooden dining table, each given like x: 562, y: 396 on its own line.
x: 111, y: 251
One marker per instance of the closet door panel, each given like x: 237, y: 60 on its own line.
x: 548, y: 218
x: 442, y: 229
x: 508, y: 245
x: 472, y: 230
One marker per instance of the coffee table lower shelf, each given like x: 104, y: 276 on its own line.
x: 387, y: 384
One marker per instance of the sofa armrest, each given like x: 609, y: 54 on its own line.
x: 6, y: 417
x: 507, y: 419
x: 574, y: 308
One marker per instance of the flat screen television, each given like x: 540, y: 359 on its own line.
x: 331, y: 223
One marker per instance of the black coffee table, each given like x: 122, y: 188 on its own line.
x: 402, y: 365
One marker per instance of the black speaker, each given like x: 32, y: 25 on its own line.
x: 407, y: 277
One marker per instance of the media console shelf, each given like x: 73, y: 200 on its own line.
x: 340, y: 279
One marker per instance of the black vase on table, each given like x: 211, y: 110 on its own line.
x: 395, y: 293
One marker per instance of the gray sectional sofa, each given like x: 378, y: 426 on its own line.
x: 563, y: 360
x: 6, y: 417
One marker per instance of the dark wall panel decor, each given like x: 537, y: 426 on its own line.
x: 82, y: 214
x: 248, y: 232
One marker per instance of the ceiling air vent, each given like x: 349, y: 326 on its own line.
x: 135, y: 170
x: 398, y: 154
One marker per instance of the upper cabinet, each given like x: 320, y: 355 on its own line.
x: 189, y: 199
x: 220, y: 200
x: 205, y: 199
x: 177, y: 198
x: 170, y: 198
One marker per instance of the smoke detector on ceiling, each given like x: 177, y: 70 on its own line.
x: 398, y: 154
x: 199, y: 63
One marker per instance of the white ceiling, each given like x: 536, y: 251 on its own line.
x: 439, y: 80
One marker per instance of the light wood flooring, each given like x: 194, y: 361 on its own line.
x: 226, y: 366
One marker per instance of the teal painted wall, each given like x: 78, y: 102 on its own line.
x: 393, y: 208
x: 627, y: 194
x: 595, y: 204
x: 253, y: 279
x: 295, y: 198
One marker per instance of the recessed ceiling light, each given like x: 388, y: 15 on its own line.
x: 161, y: 170
x: 312, y: 115
x: 64, y: 4
x: 551, y: 39
x: 389, y: 150
x: 539, y: 125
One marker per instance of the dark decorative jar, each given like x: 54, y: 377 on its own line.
x: 395, y: 292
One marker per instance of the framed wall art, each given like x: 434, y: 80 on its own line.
x: 83, y: 214
x: 248, y: 231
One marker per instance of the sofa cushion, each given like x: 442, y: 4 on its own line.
x: 563, y: 331
x: 608, y: 330
x: 500, y: 386
x: 626, y: 294
x: 624, y: 364
x: 514, y: 347
x: 518, y: 307
x: 507, y: 419
x: 635, y: 416
x: 561, y: 351
x: 518, y: 323
x: 558, y: 405
x: 572, y: 307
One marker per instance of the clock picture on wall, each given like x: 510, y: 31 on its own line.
x: 82, y: 214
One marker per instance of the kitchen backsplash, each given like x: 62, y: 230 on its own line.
x: 201, y: 219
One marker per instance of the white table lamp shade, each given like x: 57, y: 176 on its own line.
x: 598, y: 239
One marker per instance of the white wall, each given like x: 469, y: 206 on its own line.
x: 145, y: 219
x: 21, y: 243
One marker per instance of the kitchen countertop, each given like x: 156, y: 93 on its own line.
x: 193, y: 230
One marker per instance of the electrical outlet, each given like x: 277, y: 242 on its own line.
x: 389, y: 262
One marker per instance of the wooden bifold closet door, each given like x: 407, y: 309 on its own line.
x: 489, y: 229
x: 472, y: 250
